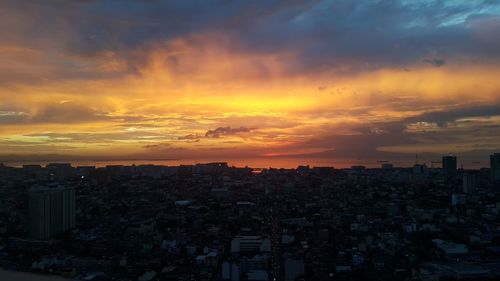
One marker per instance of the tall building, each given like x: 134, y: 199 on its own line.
x: 449, y: 164
x: 495, y: 167
x: 468, y: 183
x: 51, y: 211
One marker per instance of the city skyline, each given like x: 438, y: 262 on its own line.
x: 294, y: 82
x: 215, y: 222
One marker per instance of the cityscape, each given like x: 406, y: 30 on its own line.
x: 215, y: 222
x: 249, y: 140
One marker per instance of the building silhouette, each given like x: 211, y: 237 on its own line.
x: 449, y: 164
x: 51, y: 211
x: 495, y: 167
x: 469, y: 183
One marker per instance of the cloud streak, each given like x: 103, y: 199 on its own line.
x: 226, y: 131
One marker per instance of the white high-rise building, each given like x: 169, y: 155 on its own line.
x: 51, y: 211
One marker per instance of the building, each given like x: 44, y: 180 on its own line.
x: 294, y: 268
x: 458, y: 271
x: 450, y: 248
x: 449, y: 164
x: 51, y: 211
x: 420, y: 169
x: 387, y: 166
x: 495, y: 167
x: 60, y: 171
x: 468, y: 183
x: 231, y: 271
x: 458, y: 199
x: 248, y: 243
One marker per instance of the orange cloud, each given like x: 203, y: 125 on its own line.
x: 192, y: 85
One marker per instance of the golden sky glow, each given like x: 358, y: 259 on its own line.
x: 206, y: 94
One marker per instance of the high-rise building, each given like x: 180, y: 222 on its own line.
x: 468, y: 183
x: 51, y: 211
x: 495, y: 167
x: 449, y: 164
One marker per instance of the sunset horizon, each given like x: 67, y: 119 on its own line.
x: 329, y: 80
x: 250, y: 140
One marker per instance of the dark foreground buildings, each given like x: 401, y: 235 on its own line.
x: 214, y: 222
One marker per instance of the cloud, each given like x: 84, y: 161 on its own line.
x: 95, y: 39
x: 95, y: 137
x: 420, y: 127
x: 443, y: 116
x: 67, y: 113
x: 62, y: 112
x: 158, y: 146
x: 215, y: 133
x: 325, y: 78
x: 226, y: 131
x: 435, y: 62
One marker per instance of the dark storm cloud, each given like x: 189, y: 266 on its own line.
x: 324, y: 34
x: 454, y: 128
x: 442, y: 117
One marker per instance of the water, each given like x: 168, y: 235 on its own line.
x: 266, y: 162
x: 263, y: 162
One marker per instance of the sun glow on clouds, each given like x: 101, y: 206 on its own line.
x: 188, y: 89
x: 163, y: 98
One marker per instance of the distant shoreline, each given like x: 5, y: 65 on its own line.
x: 253, y: 163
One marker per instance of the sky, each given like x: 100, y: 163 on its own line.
x: 327, y: 80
